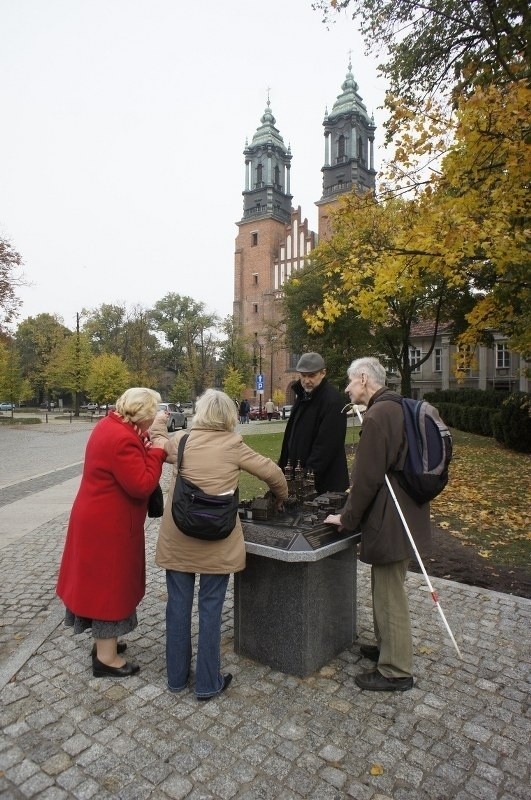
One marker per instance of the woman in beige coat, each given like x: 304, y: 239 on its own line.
x: 213, y: 457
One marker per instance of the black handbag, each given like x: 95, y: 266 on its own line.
x: 156, y: 503
x: 201, y: 515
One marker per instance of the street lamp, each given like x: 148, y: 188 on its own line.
x: 258, y: 346
x: 272, y: 340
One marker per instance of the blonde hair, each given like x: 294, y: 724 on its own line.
x: 138, y: 404
x: 215, y: 411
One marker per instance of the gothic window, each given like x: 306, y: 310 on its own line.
x: 341, y: 148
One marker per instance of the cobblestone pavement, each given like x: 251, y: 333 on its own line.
x: 463, y: 732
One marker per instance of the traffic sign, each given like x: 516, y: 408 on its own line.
x: 259, y: 383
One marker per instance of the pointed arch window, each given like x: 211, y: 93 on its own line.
x: 341, y: 148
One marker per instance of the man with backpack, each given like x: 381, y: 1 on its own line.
x: 382, y: 450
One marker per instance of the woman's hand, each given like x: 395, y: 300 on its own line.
x: 279, y: 505
x: 161, y: 416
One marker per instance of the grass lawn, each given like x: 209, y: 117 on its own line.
x: 485, y: 505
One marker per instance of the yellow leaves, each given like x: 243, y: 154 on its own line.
x: 376, y: 769
x: 486, y: 501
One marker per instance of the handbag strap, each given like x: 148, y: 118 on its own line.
x: 180, y: 451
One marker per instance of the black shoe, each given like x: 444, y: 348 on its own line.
x: 100, y: 670
x: 226, y: 681
x: 121, y: 647
x: 376, y: 682
x: 370, y: 651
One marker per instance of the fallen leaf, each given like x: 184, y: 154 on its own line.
x: 376, y: 769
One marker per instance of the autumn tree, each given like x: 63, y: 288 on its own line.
x: 108, y: 379
x: 10, y: 278
x: 141, y: 348
x: 69, y: 367
x: 191, y: 338
x: 371, y: 269
x: 37, y: 338
x: 234, y: 351
x: 442, y: 45
x: 105, y: 328
x: 233, y: 383
x: 339, y: 341
x: 13, y: 387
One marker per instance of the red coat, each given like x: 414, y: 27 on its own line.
x: 103, y: 570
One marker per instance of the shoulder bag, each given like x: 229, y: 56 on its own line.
x: 198, y: 514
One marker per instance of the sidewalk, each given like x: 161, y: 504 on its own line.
x: 463, y: 732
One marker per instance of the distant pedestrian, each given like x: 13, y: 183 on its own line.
x: 269, y: 407
x: 244, y: 412
x: 102, y: 575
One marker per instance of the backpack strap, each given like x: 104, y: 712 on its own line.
x: 180, y: 451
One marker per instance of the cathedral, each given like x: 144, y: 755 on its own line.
x: 273, y: 239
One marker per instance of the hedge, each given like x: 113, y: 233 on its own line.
x: 505, y: 416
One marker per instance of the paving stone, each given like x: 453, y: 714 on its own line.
x: 462, y: 732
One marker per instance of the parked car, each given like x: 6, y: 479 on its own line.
x: 106, y: 407
x: 286, y: 411
x: 7, y: 407
x: 255, y: 414
x: 89, y: 407
x: 177, y: 417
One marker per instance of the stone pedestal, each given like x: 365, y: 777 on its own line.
x: 296, y: 611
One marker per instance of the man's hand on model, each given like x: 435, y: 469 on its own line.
x: 334, y: 519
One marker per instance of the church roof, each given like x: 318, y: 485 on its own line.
x: 267, y: 133
x: 349, y: 101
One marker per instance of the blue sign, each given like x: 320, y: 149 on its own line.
x: 259, y: 383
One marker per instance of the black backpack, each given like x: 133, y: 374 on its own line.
x: 425, y: 471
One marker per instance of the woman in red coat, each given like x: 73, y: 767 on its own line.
x: 102, y: 574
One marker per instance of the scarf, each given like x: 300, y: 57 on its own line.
x: 144, y: 436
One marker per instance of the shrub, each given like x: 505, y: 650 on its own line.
x: 515, y: 422
x: 467, y: 397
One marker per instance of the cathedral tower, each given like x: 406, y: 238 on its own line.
x: 349, y: 150
x: 272, y: 242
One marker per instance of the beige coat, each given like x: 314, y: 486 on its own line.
x: 212, y: 460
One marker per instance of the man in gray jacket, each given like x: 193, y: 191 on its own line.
x: 384, y: 543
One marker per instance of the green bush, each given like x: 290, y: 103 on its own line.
x: 514, y: 430
x: 467, y: 397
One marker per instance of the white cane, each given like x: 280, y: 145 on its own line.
x: 433, y: 593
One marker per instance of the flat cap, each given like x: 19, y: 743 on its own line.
x: 310, y: 362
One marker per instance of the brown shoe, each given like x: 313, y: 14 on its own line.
x: 376, y: 682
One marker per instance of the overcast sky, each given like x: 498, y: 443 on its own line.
x: 124, y: 124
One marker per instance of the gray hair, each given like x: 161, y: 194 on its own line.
x: 215, y: 411
x: 138, y: 404
x: 371, y: 367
